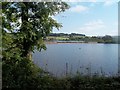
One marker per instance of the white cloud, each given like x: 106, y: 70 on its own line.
x: 94, y: 25
x: 109, y: 2
x: 98, y: 28
x: 79, y: 8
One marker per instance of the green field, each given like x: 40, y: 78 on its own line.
x: 57, y: 38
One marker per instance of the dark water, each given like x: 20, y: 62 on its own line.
x: 60, y: 59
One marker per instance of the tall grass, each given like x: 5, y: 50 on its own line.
x: 81, y: 70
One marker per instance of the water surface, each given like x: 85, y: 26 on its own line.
x: 81, y: 57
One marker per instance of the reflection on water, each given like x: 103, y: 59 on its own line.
x: 62, y: 59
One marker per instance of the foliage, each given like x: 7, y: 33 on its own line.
x: 24, y: 26
x: 107, y: 39
x: 30, y: 22
x: 81, y: 37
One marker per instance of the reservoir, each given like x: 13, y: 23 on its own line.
x: 83, y: 58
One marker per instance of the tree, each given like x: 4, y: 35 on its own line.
x: 29, y: 22
x: 107, y: 39
x: 24, y: 26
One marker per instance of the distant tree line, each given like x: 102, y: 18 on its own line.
x: 63, y: 34
x: 83, y: 37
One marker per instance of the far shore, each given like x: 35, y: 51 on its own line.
x: 77, y: 42
x: 59, y: 42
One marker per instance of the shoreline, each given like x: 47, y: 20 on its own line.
x: 76, y: 42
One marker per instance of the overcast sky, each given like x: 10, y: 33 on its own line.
x: 90, y: 18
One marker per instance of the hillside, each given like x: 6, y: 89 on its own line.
x: 82, y: 38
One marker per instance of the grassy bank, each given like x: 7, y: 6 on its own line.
x: 84, y: 83
x: 24, y: 74
x: 30, y: 76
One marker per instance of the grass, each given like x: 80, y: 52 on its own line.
x: 27, y: 75
x: 82, y: 83
x: 57, y: 38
